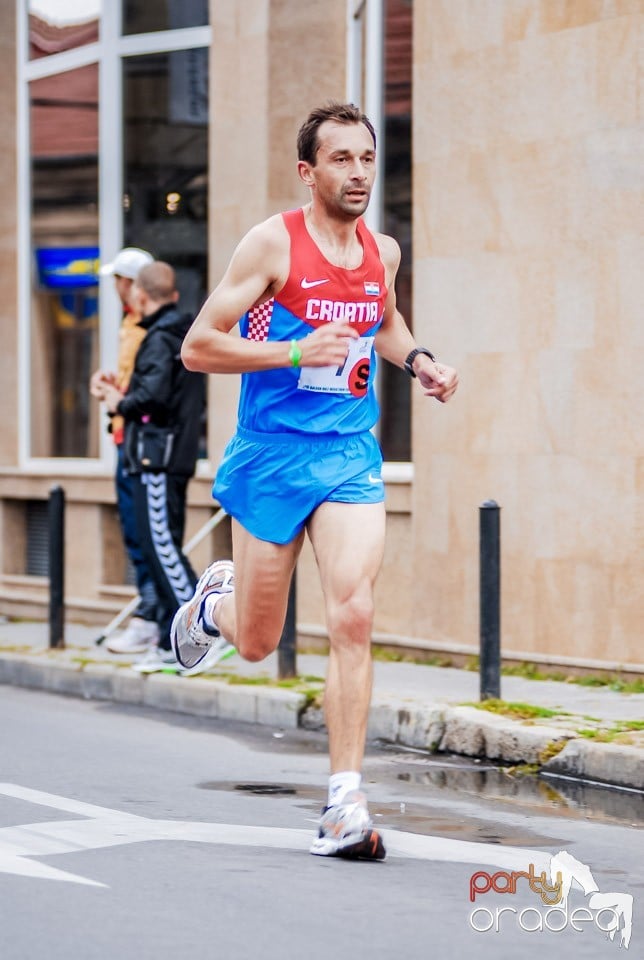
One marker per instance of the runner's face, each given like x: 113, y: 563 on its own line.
x: 345, y: 168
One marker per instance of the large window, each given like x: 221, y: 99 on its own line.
x: 380, y: 81
x: 63, y: 134
x: 114, y: 108
x: 165, y: 157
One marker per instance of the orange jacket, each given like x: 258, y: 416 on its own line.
x: 131, y: 336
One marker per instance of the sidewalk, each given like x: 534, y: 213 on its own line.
x: 413, y: 705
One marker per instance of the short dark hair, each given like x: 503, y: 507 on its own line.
x: 307, y: 138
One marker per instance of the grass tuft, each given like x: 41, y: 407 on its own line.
x: 515, y: 710
x: 551, y: 750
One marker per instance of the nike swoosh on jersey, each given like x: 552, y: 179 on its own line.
x: 373, y: 479
x: 305, y: 284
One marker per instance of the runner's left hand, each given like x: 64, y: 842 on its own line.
x: 437, y: 379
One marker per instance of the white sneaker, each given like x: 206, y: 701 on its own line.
x: 157, y: 660
x: 346, y: 830
x: 219, y: 651
x: 138, y: 638
x: 190, y: 637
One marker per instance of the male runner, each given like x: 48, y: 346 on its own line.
x: 315, y: 291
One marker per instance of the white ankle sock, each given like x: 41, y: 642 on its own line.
x: 342, y: 783
x: 209, y: 610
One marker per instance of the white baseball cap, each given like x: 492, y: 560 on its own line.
x: 127, y: 263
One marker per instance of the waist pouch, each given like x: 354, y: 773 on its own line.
x: 152, y: 448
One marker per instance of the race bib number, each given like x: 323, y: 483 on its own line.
x: 351, y: 379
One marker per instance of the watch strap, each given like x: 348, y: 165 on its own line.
x: 412, y: 356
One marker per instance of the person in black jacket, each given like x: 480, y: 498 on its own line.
x: 162, y: 410
x: 142, y: 631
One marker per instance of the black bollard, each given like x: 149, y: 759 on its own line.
x: 286, y: 656
x: 56, y: 518
x: 490, y: 600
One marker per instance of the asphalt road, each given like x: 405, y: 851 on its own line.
x: 130, y: 833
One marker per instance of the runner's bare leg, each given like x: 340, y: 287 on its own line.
x: 348, y: 540
x: 253, y: 616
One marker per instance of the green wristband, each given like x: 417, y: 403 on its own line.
x: 295, y: 354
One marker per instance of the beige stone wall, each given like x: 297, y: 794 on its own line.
x: 529, y: 243
x: 8, y: 228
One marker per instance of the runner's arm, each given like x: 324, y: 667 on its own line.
x: 257, y: 270
x: 209, y: 346
x: 394, y: 340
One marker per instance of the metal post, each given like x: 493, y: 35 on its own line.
x: 490, y: 600
x: 56, y: 518
x: 286, y: 666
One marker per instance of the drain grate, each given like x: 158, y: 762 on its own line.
x: 266, y: 789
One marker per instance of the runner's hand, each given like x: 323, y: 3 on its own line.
x: 437, y: 379
x: 328, y: 345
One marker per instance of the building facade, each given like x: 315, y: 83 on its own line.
x: 510, y: 171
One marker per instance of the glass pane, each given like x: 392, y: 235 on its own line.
x: 166, y: 163
x: 395, y: 435
x: 64, y: 234
x: 142, y: 16
x: 165, y: 150
x: 55, y: 26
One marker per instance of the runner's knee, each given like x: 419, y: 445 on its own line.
x: 255, y: 645
x: 350, y: 620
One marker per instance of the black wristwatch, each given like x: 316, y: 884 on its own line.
x: 412, y: 356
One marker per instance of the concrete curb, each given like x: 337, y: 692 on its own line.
x: 479, y: 734
x: 609, y: 763
x: 431, y: 727
x: 195, y: 696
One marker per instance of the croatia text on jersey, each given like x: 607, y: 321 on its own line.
x: 333, y: 400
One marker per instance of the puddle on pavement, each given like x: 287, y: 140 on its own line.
x: 451, y: 777
x: 411, y: 817
x: 544, y: 794
x: 442, y: 778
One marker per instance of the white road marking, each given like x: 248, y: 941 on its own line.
x: 110, y: 828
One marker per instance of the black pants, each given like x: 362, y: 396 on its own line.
x: 147, y: 608
x: 160, y: 509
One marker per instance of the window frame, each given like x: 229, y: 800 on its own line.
x: 367, y: 60
x: 108, y: 52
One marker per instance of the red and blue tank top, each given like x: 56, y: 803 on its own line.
x: 317, y: 400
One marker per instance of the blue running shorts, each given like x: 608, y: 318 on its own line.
x: 272, y: 483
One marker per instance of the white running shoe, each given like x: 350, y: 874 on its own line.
x: 157, y: 660
x: 190, y: 637
x: 138, y: 638
x: 346, y: 830
x: 219, y: 651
